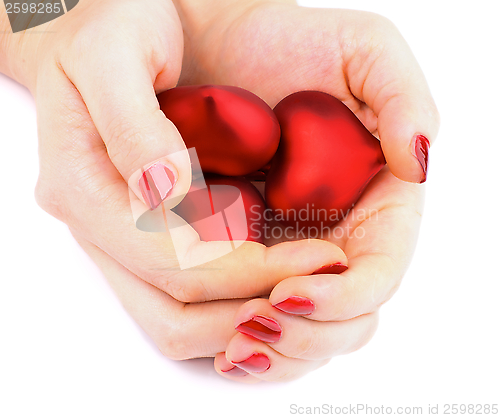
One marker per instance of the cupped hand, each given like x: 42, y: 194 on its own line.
x: 360, y: 58
x: 100, y: 126
x: 309, y: 319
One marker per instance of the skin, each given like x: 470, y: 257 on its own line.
x: 99, y: 123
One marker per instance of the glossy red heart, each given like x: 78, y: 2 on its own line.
x: 233, y: 131
x: 325, y: 159
x: 228, y: 208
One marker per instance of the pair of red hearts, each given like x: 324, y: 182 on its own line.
x: 321, y: 157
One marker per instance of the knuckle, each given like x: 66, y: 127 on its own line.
x: 126, y: 137
x: 306, y: 348
x: 340, y: 289
x: 181, y: 287
x: 380, y: 33
x: 344, y: 290
x: 367, y: 335
x: 175, y: 344
x: 382, y: 24
x: 49, y: 199
x: 87, y: 39
x: 121, y: 137
x: 188, y: 292
x: 392, y: 291
x: 88, y: 35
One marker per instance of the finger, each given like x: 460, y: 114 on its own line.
x: 384, y: 74
x: 301, y: 338
x: 79, y: 185
x: 379, y: 248
x: 117, y: 80
x: 179, y: 330
x: 232, y: 372
x: 261, y: 361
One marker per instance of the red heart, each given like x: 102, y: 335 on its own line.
x: 228, y: 208
x: 325, y: 159
x: 233, y: 131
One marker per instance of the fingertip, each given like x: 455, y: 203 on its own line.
x: 409, y: 163
x: 335, y: 268
x: 292, y: 295
x: 309, y: 295
x: 407, y: 125
x: 311, y: 254
x: 228, y: 370
x: 296, y: 305
x: 167, y: 177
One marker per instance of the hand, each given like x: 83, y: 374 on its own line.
x: 320, y: 316
x: 273, y: 50
x: 99, y: 125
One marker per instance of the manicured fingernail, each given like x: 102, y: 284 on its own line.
x: 422, y: 154
x: 235, y: 371
x: 262, y: 328
x: 156, y: 183
x: 256, y: 363
x: 296, y: 305
x: 336, y: 268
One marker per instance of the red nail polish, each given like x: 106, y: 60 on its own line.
x: 262, y: 328
x: 422, y: 154
x: 256, y: 363
x: 156, y: 183
x: 296, y: 305
x: 235, y: 371
x: 336, y: 268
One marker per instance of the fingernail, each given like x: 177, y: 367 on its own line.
x: 256, y: 363
x: 422, y: 154
x: 262, y: 328
x: 235, y: 371
x: 156, y: 183
x: 296, y: 305
x: 336, y: 268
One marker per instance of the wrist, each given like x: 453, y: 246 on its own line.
x: 5, y: 41
x: 19, y: 51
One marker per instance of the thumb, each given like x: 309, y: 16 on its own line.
x: 407, y: 124
x: 394, y: 87
x: 145, y: 147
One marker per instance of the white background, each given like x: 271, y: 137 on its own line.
x: 68, y: 348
